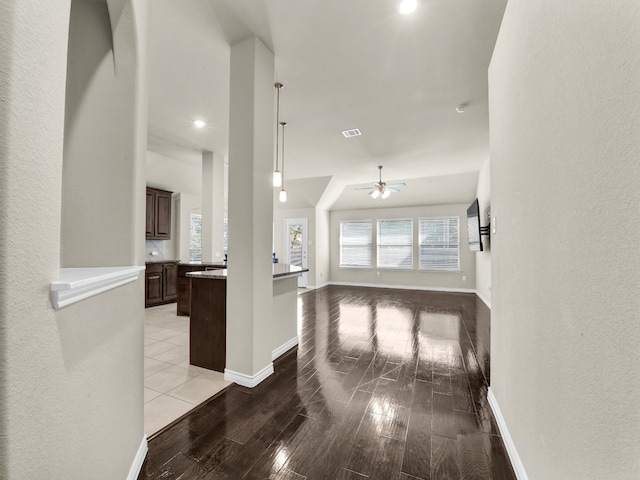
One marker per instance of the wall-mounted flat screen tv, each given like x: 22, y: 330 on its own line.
x: 473, y: 227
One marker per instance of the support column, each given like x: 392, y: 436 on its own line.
x: 250, y: 280
x: 212, y: 206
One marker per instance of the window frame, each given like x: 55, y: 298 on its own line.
x: 192, y: 258
x: 410, y: 244
x: 457, y: 269
x: 370, y: 245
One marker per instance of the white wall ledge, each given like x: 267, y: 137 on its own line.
x: 76, y: 284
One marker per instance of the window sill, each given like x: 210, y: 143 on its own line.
x: 425, y: 270
x: 76, y: 284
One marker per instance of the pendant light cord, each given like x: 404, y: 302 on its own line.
x: 278, y: 87
x: 283, y: 125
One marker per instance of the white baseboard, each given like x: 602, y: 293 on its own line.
x: 284, y: 348
x: 484, y: 300
x: 141, y: 454
x: 404, y: 287
x: 518, y: 467
x: 248, y: 380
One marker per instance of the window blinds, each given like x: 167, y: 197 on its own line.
x: 355, y: 243
x: 395, y: 243
x: 439, y: 243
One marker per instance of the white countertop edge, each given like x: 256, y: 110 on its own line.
x: 76, y: 284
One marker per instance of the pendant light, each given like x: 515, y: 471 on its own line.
x: 277, y: 176
x: 283, y: 193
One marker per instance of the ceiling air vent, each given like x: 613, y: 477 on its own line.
x: 352, y: 133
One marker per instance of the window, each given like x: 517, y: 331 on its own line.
x: 355, y: 243
x: 195, y: 237
x: 439, y: 244
x: 225, y: 238
x: 395, y: 243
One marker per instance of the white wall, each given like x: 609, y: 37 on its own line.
x: 323, y: 247
x: 565, y: 189
x: 71, y: 394
x: 172, y: 174
x: 483, y: 259
x: 99, y: 177
x: 403, y: 278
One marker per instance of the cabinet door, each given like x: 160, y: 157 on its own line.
x: 163, y: 215
x: 153, y: 288
x: 151, y: 222
x: 184, y: 297
x: 170, y: 281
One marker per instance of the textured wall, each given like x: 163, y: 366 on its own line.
x: 70, y: 381
x: 99, y: 184
x: 565, y: 186
x: 483, y: 259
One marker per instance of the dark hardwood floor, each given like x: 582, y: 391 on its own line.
x: 385, y: 384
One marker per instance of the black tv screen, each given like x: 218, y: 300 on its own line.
x: 473, y: 227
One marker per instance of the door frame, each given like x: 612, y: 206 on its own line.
x: 302, y: 277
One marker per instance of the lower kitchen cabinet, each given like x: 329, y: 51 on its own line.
x: 161, y: 283
x: 184, y: 283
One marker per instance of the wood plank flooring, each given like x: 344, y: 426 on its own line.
x: 385, y: 384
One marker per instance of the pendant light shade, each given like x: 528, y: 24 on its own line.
x: 283, y: 193
x: 277, y: 176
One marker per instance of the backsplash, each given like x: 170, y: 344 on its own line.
x: 154, y: 250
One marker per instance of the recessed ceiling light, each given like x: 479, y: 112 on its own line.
x: 354, y: 132
x: 407, y: 7
x: 199, y: 123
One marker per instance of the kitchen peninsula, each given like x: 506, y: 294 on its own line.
x: 209, y: 307
x: 184, y: 285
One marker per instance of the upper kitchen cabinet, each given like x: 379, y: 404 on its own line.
x: 158, y: 214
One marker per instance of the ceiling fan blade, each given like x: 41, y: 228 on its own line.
x: 397, y: 185
x: 363, y: 188
x: 393, y: 190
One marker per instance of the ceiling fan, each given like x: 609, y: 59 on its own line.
x: 381, y: 189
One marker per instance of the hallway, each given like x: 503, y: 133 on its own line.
x: 385, y: 384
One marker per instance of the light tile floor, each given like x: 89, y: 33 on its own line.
x: 172, y: 387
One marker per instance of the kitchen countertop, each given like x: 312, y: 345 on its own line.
x: 280, y: 270
x: 204, y: 264
x: 161, y: 261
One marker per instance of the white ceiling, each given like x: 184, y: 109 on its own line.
x: 344, y: 64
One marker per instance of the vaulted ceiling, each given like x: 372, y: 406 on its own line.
x: 345, y: 64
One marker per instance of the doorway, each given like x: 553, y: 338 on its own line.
x: 295, y: 246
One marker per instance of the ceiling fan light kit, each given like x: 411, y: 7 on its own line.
x: 381, y: 189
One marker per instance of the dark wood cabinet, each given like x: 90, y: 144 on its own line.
x: 208, y: 329
x: 153, y: 284
x: 184, y: 285
x: 170, y: 285
x: 160, y: 283
x: 158, y: 224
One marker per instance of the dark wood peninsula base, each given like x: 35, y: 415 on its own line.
x: 184, y: 285
x: 208, y: 330
x: 208, y: 322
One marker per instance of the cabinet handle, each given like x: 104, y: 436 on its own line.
x: 155, y: 277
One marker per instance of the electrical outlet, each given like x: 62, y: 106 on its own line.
x: 464, y: 278
x: 378, y: 274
